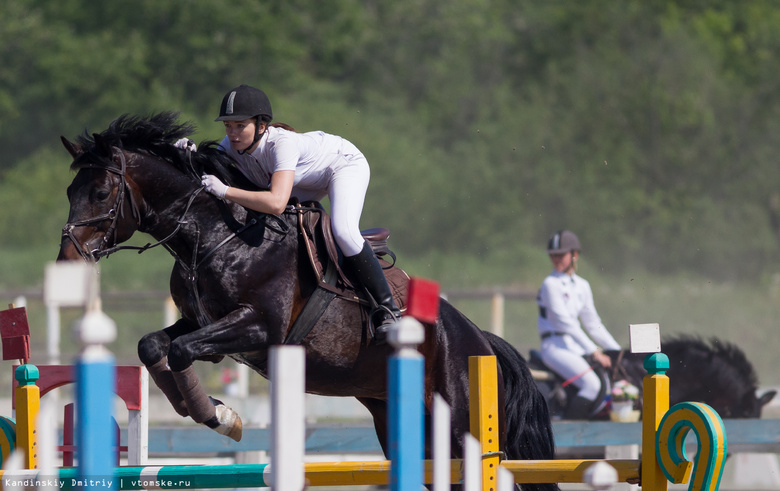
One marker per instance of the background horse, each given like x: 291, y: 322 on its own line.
x: 715, y: 372
x: 241, y: 279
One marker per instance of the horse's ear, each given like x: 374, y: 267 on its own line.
x: 766, y: 397
x: 74, y: 150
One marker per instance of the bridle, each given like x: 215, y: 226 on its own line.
x: 113, y: 214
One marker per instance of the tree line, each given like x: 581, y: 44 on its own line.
x: 646, y: 127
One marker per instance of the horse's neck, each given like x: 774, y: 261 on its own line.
x: 176, y: 209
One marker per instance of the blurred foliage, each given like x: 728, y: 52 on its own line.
x: 646, y: 127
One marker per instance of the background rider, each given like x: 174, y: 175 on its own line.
x: 566, y: 312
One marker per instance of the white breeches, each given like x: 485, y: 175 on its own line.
x: 347, y: 192
x: 569, y: 364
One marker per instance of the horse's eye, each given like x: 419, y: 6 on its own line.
x: 102, y: 195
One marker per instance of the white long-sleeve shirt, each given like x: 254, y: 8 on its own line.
x: 566, y: 307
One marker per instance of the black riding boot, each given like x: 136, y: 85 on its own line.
x: 366, y: 268
x: 578, y: 408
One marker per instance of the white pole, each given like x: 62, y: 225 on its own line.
x: 242, y: 379
x: 47, y: 443
x: 53, y: 333
x: 506, y: 481
x: 138, y: 427
x: 497, y: 317
x: 441, y: 444
x: 472, y: 464
x: 288, y: 439
x: 66, y: 284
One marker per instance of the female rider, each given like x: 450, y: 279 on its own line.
x: 565, y: 299
x: 307, y: 166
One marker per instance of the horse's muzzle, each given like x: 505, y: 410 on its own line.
x: 70, y: 252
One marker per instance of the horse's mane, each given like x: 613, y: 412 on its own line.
x: 721, y: 360
x: 156, y: 134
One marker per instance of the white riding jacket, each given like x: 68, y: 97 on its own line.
x: 566, y: 307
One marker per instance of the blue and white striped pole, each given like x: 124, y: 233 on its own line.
x: 406, y: 408
x: 95, y: 380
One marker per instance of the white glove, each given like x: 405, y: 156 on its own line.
x: 186, y: 144
x: 213, y: 185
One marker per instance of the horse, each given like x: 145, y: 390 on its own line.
x: 241, y: 279
x: 712, y: 371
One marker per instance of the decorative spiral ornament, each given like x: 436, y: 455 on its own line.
x: 710, y: 433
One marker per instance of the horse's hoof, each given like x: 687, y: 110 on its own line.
x: 227, y: 423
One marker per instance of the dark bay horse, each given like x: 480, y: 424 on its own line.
x: 241, y: 279
x: 712, y: 371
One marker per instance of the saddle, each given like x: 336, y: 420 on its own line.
x: 325, y: 258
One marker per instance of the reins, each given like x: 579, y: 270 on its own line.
x: 618, y: 367
x: 161, y: 242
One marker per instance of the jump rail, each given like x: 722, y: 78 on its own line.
x: 745, y: 435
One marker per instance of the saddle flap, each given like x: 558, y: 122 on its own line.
x: 322, y: 249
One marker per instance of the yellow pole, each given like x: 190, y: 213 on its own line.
x: 484, y: 415
x: 567, y: 470
x: 28, y: 404
x: 656, y: 403
x: 366, y: 473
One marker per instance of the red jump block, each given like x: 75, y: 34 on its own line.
x: 128, y: 382
x: 423, y: 300
x: 15, y: 331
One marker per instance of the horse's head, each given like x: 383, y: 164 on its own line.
x: 736, y: 383
x: 749, y: 406
x: 718, y: 373
x: 131, y: 177
x: 103, y: 208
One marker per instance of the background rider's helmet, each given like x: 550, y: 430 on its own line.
x: 245, y: 102
x: 562, y: 242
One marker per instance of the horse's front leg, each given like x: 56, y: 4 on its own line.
x: 153, y: 352
x: 235, y: 333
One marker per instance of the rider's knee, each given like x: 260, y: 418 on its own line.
x: 590, y: 387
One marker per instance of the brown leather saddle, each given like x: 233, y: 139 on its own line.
x: 332, y: 280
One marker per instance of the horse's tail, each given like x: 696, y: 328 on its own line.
x: 529, y: 431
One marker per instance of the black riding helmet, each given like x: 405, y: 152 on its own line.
x: 562, y: 242
x: 245, y: 102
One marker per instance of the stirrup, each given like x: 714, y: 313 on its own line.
x: 389, y: 318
